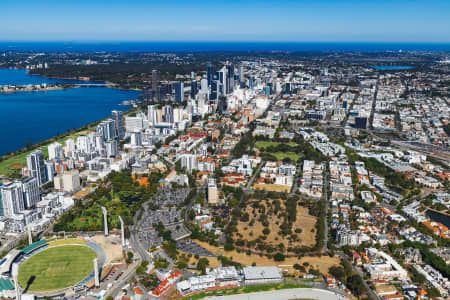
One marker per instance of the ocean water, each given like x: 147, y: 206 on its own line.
x: 36, y: 116
x: 198, y: 46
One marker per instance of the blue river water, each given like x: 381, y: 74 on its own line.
x: 36, y: 116
x: 392, y: 68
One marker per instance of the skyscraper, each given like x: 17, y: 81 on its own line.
x: 223, y: 79
x: 194, y: 89
x: 241, y: 74
x: 229, y: 78
x: 209, y: 73
x: 155, y: 84
x: 214, y: 90
x: 179, y: 91
x: 204, y: 86
x: 117, y: 116
x: 36, y: 166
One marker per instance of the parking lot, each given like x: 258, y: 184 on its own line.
x: 191, y: 247
x: 170, y: 217
x: 171, y: 197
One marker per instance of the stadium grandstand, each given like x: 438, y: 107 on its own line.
x: 5, y: 285
x: 33, y: 248
x: 7, y: 261
x: 20, y: 255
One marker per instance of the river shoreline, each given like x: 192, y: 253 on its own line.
x: 7, y: 89
x: 76, y: 80
x: 52, y: 109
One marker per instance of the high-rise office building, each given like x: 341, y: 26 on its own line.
x: 209, y: 73
x: 361, y: 122
x: 222, y: 78
x: 155, y: 84
x: 241, y: 74
x: 12, y: 199
x: 31, y: 194
x: 194, y: 89
x: 229, y: 78
x: 36, y: 166
x: 118, y: 118
x: 204, y: 86
x: 179, y: 91
x: 214, y: 90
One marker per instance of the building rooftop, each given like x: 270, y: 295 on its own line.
x: 253, y: 273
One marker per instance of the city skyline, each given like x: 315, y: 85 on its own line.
x: 321, y: 21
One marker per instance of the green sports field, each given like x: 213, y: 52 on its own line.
x: 56, y: 268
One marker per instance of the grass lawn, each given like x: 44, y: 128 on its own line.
x: 56, y: 268
x: 266, y: 144
x: 282, y: 155
x: 16, y: 162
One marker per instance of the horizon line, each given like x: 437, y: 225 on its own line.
x: 220, y: 41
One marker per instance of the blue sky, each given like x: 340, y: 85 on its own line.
x: 260, y: 20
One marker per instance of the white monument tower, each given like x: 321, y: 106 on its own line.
x: 122, y: 229
x: 30, y: 236
x: 105, y: 220
x: 15, y: 274
x: 97, y: 281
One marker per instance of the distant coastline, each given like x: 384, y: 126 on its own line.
x: 205, y: 46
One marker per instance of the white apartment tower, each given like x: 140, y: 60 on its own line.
x: 31, y: 194
x: 36, y: 166
x: 55, y: 151
x: 12, y: 199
